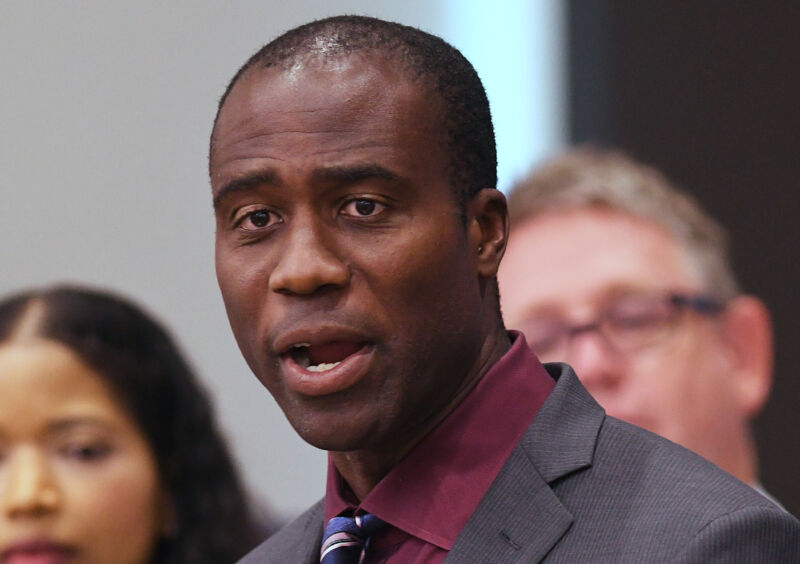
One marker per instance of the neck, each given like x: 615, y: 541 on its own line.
x: 741, y: 460
x: 363, y: 469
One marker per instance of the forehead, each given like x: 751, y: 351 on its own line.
x: 582, y: 257
x: 43, y: 378
x: 354, y: 106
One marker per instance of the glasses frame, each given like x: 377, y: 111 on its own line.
x: 701, y: 303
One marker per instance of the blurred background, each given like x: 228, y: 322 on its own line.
x: 106, y: 109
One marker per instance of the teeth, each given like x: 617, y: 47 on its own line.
x: 300, y: 353
x: 322, y: 367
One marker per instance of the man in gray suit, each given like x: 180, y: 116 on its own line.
x: 358, y: 237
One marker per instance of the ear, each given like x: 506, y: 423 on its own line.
x: 748, y: 332
x: 487, y: 215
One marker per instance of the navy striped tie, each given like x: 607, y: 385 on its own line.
x: 346, y: 539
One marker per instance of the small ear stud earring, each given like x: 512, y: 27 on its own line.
x: 480, y: 248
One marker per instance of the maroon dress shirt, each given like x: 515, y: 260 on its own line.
x: 429, y: 496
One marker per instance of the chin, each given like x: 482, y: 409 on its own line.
x: 324, y: 441
x: 335, y: 437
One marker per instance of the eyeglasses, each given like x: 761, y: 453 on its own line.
x: 629, y: 323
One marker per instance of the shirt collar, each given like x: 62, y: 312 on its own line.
x: 434, y: 490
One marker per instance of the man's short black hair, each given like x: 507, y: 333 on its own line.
x: 466, y: 119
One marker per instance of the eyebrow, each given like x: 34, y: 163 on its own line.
x: 60, y: 425
x: 337, y: 174
x: 246, y: 183
x: 349, y: 174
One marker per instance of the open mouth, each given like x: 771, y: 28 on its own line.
x: 323, y: 357
x: 321, y: 361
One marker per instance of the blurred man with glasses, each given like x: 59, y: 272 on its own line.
x: 612, y: 270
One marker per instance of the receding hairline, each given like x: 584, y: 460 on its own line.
x: 589, y: 177
x: 340, y: 36
x: 424, y: 83
x: 420, y: 88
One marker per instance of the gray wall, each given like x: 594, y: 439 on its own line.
x: 105, y: 111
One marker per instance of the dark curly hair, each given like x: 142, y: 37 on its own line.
x: 142, y: 364
x: 466, y: 119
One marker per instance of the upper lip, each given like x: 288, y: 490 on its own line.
x: 316, y: 335
x: 35, y: 545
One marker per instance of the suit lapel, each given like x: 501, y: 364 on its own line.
x: 301, y: 540
x: 309, y: 545
x: 521, y: 519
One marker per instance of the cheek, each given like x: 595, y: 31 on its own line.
x: 233, y: 282
x: 430, y: 272
x: 686, y: 377
x: 243, y: 285
x: 423, y: 291
x: 114, y: 510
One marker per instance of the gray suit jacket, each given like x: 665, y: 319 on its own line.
x: 584, y: 487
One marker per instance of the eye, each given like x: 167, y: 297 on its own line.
x: 85, y: 451
x: 255, y: 218
x: 635, y: 315
x: 363, y: 207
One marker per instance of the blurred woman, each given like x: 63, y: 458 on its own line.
x: 108, y: 446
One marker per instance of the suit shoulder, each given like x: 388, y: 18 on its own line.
x: 297, y: 541
x: 751, y: 534
x: 669, y: 471
x: 671, y: 483
x: 649, y: 499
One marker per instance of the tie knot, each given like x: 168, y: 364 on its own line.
x: 346, y: 538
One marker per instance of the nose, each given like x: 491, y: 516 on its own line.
x: 27, y: 485
x: 308, y: 264
x: 599, y: 366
